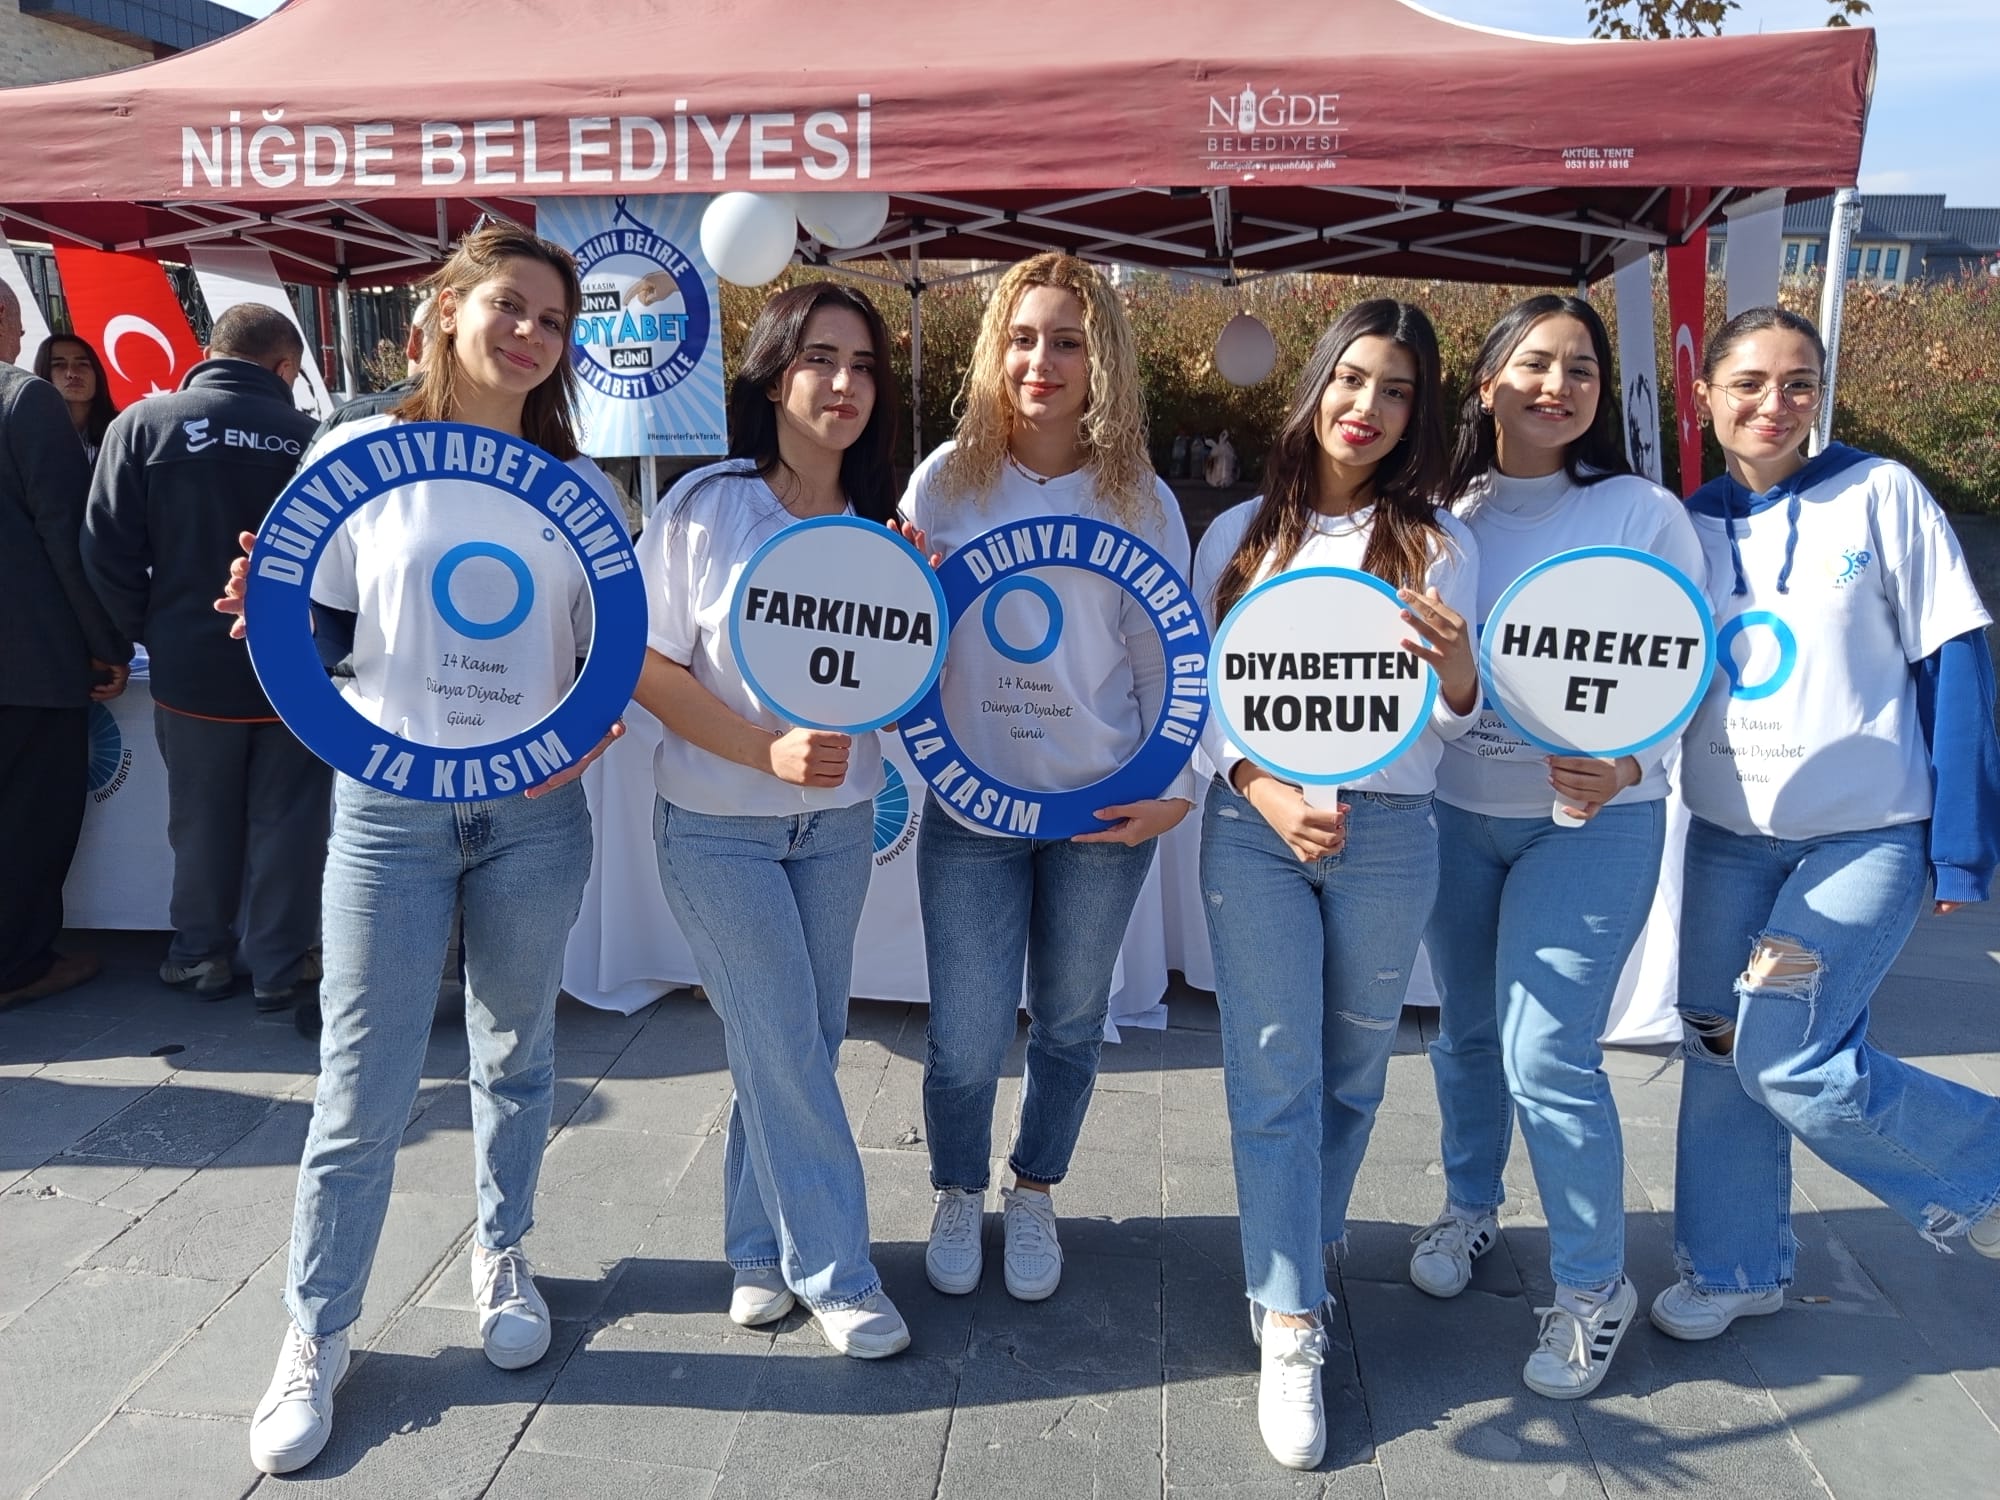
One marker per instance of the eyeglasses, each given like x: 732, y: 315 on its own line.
x: 1748, y: 393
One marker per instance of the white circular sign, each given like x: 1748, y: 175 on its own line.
x: 838, y: 623
x: 1600, y: 651
x: 1310, y: 679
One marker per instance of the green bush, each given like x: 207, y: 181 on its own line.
x: 1919, y: 376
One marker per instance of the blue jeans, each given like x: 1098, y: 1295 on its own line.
x: 1801, y: 1064
x: 395, y: 869
x: 1531, y: 932
x: 770, y: 906
x: 1311, y: 964
x: 988, y: 904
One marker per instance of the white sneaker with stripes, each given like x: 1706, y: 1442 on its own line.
x: 1579, y: 1336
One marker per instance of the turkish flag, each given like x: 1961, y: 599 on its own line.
x: 1687, y: 290
x: 126, y: 308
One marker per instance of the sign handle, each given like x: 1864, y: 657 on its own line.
x: 1321, y: 794
x: 1562, y: 817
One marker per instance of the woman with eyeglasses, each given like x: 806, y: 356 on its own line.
x: 1841, y: 772
x: 1535, y: 920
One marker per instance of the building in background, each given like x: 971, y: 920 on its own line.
x: 42, y: 41
x: 1902, y: 237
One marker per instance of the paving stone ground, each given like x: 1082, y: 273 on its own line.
x: 148, y: 1145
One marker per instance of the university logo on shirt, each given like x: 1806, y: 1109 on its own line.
x: 1848, y: 565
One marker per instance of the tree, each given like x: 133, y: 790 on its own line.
x: 1633, y: 20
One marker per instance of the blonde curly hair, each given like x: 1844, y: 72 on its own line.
x: 1112, y: 429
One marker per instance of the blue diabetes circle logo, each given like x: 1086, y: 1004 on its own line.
x: 998, y: 561
x: 310, y: 512
x: 1751, y: 626
x: 645, y: 319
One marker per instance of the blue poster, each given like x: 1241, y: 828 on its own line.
x: 648, y: 349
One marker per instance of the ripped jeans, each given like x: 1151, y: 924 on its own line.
x: 1800, y: 1063
x: 1311, y: 963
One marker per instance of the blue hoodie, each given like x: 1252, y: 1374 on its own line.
x: 1954, y: 689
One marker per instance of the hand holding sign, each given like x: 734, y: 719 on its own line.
x: 839, y: 625
x: 1599, y: 652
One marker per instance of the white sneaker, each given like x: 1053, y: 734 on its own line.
x: 1442, y: 1262
x: 1034, y: 1254
x: 867, y: 1330
x: 954, y: 1259
x: 295, y: 1418
x: 1985, y: 1235
x: 1579, y: 1336
x: 513, y: 1318
x: 760, y: 1297
x: 1686, y: 1311
x: 1291, y: 1406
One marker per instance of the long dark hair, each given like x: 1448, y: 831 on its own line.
x: 1404, y: 486
x: 1598, y: 454
x: 102, y: 408
x: 548, y: 414
x: 867, y: 470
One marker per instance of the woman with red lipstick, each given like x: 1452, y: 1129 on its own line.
x: 499, y: 330
x: 1542, y: 916
x: 1842, y: 774
x: 765, y: 831
x: 1052, y: 424
x: 1314, y: 914
x: 70, y: 365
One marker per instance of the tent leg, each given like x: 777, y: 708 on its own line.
x: 916, y: 357
x: 649, y: 484
x: 1833, y: 302
x: 343, y: 304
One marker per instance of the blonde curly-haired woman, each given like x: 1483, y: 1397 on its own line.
x: 1052, y: 424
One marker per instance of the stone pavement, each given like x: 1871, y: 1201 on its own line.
x: 147, y: 1152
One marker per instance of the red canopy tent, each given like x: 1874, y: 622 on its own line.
x: 355, y: 138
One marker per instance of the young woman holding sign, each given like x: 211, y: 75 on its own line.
x: 1053, y: 425
x: 396, y: 867
x: 1841, y: 772
x: 765, y: 831
x: 1315, y: 913
x: 1529, y: 944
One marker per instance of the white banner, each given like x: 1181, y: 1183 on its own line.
x: 230, y: 275
x: 34, y: 327
x: 1754, y: 249
x: 1638, y: 364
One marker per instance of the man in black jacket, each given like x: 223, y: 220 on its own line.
x: 178, y: 478
x: 59, y: 652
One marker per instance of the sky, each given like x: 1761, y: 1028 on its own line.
x: 1931, y: 128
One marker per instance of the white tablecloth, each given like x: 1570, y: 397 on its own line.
x: 625, y: 950
x: 123, y: 868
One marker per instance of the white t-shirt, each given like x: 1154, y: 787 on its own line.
x: 691, y: 560
x: 1518, y: 523
x: 415, y: 672
x: 1341, y: 542
x: 1100, y: 690
x: 1822, y: 735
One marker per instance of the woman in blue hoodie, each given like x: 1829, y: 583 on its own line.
x: 1841, y: 771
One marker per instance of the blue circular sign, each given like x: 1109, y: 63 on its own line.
x: 277, y: 609
x: 998, y: 562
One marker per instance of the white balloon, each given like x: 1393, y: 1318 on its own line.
x: 749, y: 237
x: 845, y: 221
x: 1245, y: 351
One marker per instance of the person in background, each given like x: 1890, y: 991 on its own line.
x: 180, y: 478
x: 1053, y: 424
x: 1842, y: 773
x: 1315, y: 912
x: 1538, y: 919
x: 70, y: 365
x: 765, y: 831
x: 60, y: 652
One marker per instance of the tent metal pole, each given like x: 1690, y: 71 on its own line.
x: 916, y: 356
x: 343, y: 305
x: 1833, y: 303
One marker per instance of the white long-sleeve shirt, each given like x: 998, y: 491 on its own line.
x: 1341, y: 542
